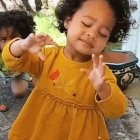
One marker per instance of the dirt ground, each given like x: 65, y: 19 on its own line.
x: 125, y: 128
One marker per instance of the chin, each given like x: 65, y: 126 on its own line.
x: 85, y: 52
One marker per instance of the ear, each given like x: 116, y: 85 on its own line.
x: 66, y: 22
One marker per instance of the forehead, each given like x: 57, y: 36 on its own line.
x: 7, y: 32
x: 99, y: 10
x: 3, y: 32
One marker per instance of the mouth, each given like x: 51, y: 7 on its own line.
x: 87, y: 42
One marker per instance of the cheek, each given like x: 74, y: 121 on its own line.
x: 74, y: 30
x: 101, y: 45
x: 3, y: 44
x: 72, y: 35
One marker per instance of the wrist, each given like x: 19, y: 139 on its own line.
x: 105, y: 91
x: 15, y: 47
x: 22, y: 45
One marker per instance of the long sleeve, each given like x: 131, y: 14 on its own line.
x: 115, y: 105
x: 26, y: 63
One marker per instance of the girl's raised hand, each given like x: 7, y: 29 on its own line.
x: 97, y: 73
x: 34, y: 43
x: 97, y: 76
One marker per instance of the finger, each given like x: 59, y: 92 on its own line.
x: 30, y: 37
x: 100, y: 59
x: 43, y: 34
x: 41, y: 55
x: 103, y: 79
x: 41, y: 37
x: 49, y: 41
x: 40, y: 40
x: 42, y: 43
x: 35, y: 50
x: 95, y: 60
x: 86, y: 71
x: 103, y: 70
x: 26, y: 42
x: 53, y: 43
x: 101, y: 65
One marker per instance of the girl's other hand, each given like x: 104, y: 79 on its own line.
x: 97, y: 76
x: 34, y: 43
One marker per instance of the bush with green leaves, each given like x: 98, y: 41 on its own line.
x: 47, y: 23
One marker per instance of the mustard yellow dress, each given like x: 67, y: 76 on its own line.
x: 63, y: 105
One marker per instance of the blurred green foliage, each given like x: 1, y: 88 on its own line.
x: 47, y: 23
x: 3, y: 68
x: 114, y: 46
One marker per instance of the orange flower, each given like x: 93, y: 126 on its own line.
x: 54, y: 75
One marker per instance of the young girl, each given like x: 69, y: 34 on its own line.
x: 76, y: 89
x: 13, y: 24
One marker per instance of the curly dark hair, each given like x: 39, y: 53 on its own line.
x: 121, y: 8
x: 21, y: 21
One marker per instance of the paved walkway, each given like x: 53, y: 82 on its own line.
x: 125, y: 128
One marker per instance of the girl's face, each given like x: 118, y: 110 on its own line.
x: 89, y: 29
x: 6, y: 34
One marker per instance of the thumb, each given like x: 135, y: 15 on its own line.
x: 27, y: 41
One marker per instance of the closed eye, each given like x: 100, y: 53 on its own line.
x: 103, y: 35
x: 85, y: 24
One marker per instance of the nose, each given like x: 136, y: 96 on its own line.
x: 91, y: 36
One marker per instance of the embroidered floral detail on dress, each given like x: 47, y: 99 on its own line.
x: 54, y: 75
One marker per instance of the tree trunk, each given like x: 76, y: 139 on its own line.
x: 38, y: 4
x: 26, y: 4
x: 31, y: 6
x: 3, y: 5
